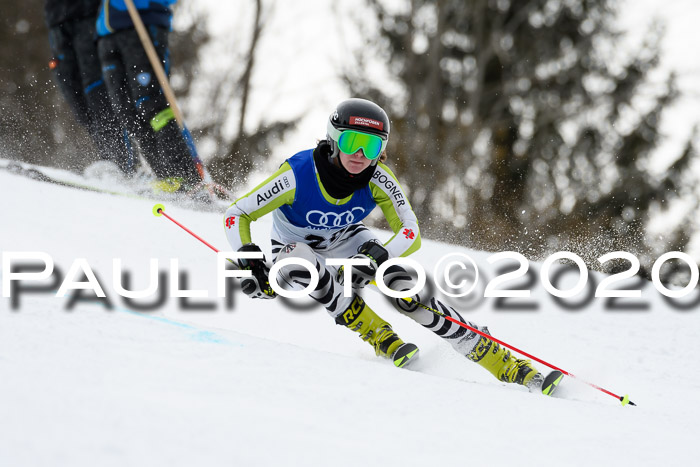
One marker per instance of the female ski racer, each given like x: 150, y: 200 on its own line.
x: 318, y: 198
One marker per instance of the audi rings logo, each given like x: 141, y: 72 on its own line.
x: 330, y: 220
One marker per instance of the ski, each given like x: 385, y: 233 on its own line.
x: 405, y: 355
x: 17, y: 169
x: 551, y: 382
x: 38, y: 175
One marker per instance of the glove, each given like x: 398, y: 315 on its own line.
x: 258, y: 285
x: 363, y: 275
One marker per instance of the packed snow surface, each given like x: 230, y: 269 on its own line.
x: 276, y: 382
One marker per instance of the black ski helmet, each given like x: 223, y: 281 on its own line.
x: 360, y: 115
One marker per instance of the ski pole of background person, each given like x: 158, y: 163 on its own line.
x: 165, y: 86
x: 623, y: 399
x: 159, y: 210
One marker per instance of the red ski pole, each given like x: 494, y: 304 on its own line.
x: 159, y: 210
x: 623, y: 399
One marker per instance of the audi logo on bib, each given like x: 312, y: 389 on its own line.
x: 331, y: 220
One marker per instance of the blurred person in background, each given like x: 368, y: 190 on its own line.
x: 77, y: 72
x: 136, y: 95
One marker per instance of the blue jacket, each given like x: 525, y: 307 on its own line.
x: 60, y: 11
x: 115, y: 17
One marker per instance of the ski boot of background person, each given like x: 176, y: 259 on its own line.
x: 372, y: 329
x: 168, y: 185
x: 177, y: 186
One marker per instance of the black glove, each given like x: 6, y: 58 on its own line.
x: 363, y: 275
x: 258, y: 285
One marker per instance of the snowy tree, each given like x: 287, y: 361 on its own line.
x: 220, y: 100
x: 521, y: 125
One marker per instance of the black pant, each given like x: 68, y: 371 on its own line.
x: 77, y: 72
x: 140, y: 105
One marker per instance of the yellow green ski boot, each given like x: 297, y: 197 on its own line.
x: 372, y: 329
x: 167, y: 185
x: 504, y: 366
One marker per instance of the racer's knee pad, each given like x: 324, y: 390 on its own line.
x: 293, y: 274
x: 397, y: 278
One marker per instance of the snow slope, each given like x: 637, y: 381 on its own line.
x: 275, y: 383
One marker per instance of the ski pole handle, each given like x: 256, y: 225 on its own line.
x: 159, y: 210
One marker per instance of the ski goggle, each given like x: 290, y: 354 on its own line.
x: 351, y: 141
